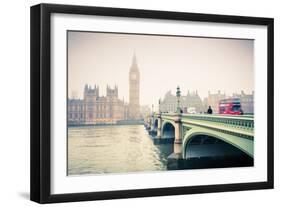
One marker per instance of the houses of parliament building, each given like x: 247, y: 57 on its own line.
x: 108, y: 109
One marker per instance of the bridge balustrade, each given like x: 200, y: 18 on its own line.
x: 242, y: 122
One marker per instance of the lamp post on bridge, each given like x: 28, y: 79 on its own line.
x: 178, y: 125
x: 152, y: 117
x: 159, y: 103
x: 159, y: 121
x: 175, y: 160
x: 178, y: 100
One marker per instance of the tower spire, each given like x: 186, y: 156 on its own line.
x: 134, y: 58
x: 134, y: 62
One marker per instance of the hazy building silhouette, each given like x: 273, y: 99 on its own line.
x: 108, y: 109
x: 213, y: 100
x: 247, y: 101
x: 191, y: 100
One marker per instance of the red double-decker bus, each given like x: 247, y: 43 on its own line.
x: 230, y: 106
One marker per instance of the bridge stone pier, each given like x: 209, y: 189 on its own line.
x: 206, y: 137
x: 159, y: 124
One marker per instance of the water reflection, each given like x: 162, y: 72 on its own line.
x: 114, y: 149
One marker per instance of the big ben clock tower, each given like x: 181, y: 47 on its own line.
x: 134, y: 91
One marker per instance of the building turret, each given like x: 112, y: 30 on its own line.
x: 89, y: 91
x: 112, y: 92
x: 86, y: 88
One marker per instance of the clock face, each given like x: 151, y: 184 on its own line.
x: 134, y: 77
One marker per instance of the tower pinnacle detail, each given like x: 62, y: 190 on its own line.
x: 134, y: 65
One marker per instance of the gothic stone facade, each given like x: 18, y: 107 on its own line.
x: 103, y: 109
x: 75, y: 111
x: 108, y: 109
x: 96, y: 109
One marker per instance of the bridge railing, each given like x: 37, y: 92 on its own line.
x: 237, y: 121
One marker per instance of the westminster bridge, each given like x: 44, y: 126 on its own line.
x: 204, y: 137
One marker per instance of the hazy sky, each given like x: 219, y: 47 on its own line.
x: 165, y: 62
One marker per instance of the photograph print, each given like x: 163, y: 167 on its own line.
x: 143, y: 103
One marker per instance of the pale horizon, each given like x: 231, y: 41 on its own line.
x: 164, y: 62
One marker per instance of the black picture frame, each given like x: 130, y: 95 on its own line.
x: 40, y: 184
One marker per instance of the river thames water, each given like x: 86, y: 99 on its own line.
x: 114, y: 149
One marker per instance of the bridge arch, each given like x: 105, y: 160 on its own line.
x: 168, y: 129
x: 194, y: 135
